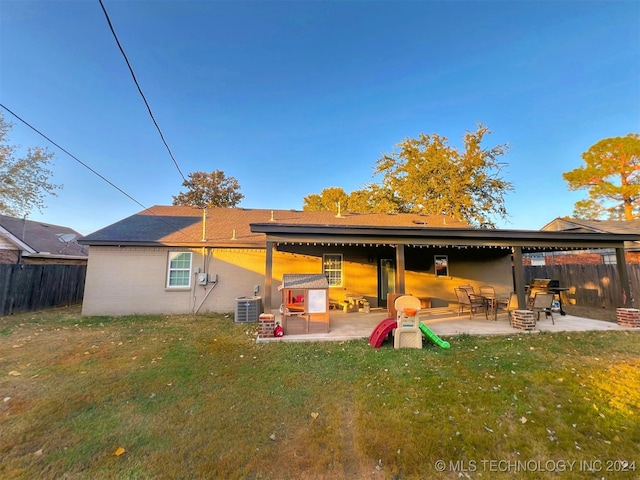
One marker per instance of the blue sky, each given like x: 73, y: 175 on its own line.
x: 294, y: 97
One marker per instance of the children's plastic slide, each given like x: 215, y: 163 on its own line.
x: 382, y: 330
x: 427, y: 332
x: 385, y: 327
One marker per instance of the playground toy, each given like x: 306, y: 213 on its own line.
x: 382, y: 331
x: 410, y: 312
x: 427, y: 332
x: 407, y: 333
x: 407, y: 325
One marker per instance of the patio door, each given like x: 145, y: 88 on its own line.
x: 386, y: 279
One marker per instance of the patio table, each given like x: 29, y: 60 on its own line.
x: 354, y: 301
x: 492, y: 305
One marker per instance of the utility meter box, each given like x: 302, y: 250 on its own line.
x: 203, y: 278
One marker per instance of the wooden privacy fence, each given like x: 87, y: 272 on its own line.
x: 24, y: 288
x: 590, y: 285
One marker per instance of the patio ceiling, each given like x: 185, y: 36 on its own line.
x: 518, y: 241
x: 528, y: 240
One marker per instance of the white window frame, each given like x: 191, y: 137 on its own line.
x: 340, y: 270
x: 170, y: 269
x: 538, y: 259
x: 442, y: 260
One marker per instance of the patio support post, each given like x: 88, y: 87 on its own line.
x: 621, y: 262
x: 400, y: 268
x: 268, y: 276
x: 518, y: 271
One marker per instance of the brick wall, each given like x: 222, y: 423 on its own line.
x: 8, y: 256
x: 581, y: 259
x: 628, y: 317
x: 632, y: 257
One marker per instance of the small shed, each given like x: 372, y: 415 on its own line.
x: 305, y: 303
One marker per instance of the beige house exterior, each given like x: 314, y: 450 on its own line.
x: 128, y: 267
x: 185, y: 260
x: 128, y: 280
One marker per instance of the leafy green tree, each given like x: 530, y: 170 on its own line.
x: 24, y: 182
x: 333, y: 198
x: 327, y: 201
x: 209, y: 190
x: 428, y: 175
x: 373, y: 199
x: 611, y: 175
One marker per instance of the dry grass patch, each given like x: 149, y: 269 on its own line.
x: 195, y: 397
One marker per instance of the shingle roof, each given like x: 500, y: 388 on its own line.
x: 174, y: 225
x: 601, y: 226
x: 304, y: 280
x: 41, y: 237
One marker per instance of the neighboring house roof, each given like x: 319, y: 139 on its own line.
x: 599, y: 226
x: 173, y: 225
x: 38, y: 239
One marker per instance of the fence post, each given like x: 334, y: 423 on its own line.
x: 621, y: 263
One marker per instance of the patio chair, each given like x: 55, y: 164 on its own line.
x: 407, y: 332
x: 511, y: 305
x: 542, y: 302
x: 531, y: 294
x: 468, y: 288
x: 467, y: 300
x: 487, y: 291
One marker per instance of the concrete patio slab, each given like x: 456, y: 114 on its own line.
x: 444, y: 322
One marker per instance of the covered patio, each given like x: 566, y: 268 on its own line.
x: 443, y: 319
x: 444, y: 322
x: 517, y: 242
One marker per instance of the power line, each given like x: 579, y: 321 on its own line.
x: 72, y: 156
x: 92, y: 170
x: 135, y: 80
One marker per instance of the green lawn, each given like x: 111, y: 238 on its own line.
x: 196, y: 397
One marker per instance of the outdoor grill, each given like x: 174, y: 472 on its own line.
x: 544, y: 284
x: 547, y: 285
